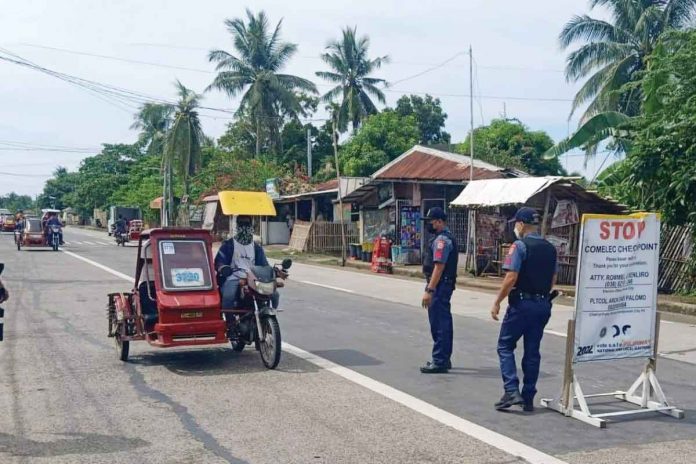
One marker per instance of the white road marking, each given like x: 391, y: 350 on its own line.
x: 100, y: 266
x: 494, y: 439
x: 553, y: 332
x: 89, y: 243
x: 330, y: 287
x: 105, y: 243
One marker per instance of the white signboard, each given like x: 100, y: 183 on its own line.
x: 616, y: 292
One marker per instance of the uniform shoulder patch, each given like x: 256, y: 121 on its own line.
x: 440, y: 244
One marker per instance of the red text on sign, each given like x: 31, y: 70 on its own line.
x: 621, y: 229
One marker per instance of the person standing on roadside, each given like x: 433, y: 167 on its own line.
x: 531, y: 266
x: 440, y: 269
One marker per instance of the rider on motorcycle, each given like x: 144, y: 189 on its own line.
x: 54, y: 221
x: 121, y: 226
x: 241, y: 253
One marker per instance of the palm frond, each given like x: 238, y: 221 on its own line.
x: 679, y: 13
x: 586, y: 28
x: 593, y: 55
x: 592, y: 132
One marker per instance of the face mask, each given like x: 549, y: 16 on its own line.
x: 245, y: 234
x: 518, y: 233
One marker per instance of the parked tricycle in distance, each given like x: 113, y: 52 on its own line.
x: 176, y: 299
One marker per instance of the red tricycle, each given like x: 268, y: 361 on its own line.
x: 176, y: 299
x: 34, y: 235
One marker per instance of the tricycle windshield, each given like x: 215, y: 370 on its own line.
x: 34, y: 225
x: 184, y: 265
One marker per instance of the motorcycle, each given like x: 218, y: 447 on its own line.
x: 54, y: 237
x: 121, y: 238
x: 254, y: 320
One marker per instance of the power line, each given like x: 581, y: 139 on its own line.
x: 17, y: 174
x: 232, y: 111
x: 426, y: 71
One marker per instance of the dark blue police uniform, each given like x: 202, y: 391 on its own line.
x: 528, y: 312
x: 442, y: 248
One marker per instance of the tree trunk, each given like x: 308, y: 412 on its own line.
x: 258, y: 137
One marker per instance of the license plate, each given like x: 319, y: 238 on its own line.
x: 191, y: 314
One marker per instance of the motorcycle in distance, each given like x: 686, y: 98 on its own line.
x: 255, y: 319
x: 54, y: 236
x: 121, y: 238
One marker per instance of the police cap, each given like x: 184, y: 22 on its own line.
x: 436, y: 213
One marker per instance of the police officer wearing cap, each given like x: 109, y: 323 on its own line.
x: 531, y: 266
x: 440, y: 269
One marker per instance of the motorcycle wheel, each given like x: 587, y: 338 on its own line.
x: 55, y: 246
x: 271, y: 343
x: 237, y: 346
x: 122, y: 346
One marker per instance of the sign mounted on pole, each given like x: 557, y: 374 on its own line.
x: 616, y: 298
x: 615, y: 314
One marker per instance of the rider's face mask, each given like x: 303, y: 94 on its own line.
x: 245, y: 233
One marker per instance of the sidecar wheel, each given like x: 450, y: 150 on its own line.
x: 271, y: 344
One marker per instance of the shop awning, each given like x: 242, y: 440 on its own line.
x: 501, y: 192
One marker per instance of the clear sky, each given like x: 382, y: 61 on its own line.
x: 518, y: 64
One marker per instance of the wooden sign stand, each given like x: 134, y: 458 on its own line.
x: 645, y: 392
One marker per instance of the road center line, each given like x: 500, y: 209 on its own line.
x: 330, y: 287
x: 494, y: 439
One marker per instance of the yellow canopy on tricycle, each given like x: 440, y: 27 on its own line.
x: 237, y: 203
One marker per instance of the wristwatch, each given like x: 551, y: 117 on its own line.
x: 429, y: 290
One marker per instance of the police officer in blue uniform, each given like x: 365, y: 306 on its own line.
x: 531, y: 266
x: 440, y: 270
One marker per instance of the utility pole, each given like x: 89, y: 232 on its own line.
x: 340, y: 193
x: 472, y: 218
x: 309, y: 152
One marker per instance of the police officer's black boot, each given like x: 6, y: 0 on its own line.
x: 508, y: 400
x: 431, y: 368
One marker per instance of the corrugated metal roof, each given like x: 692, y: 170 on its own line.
x: 499, y: 192
x: 422, y: 163
x: 506, y: 192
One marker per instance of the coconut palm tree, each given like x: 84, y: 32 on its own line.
x: 183, y: 143
x: 153, y: 120
x: 612, y: 54
x: 351, y: 69
x: 254, y: 72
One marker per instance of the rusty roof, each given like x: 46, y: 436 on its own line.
x: 427, y: 164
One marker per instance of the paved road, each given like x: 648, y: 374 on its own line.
x: 69, y: 400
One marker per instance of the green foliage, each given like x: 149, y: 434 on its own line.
x: 144, y: 184
x: 429, y: 115
x: 350, y: 71
x: 613, y: 54
x: 101, y: 175
x: 590, y: 134
x: 59, y: 191
x: 254, y: 73
x: 382, y: 137
x: 509, y: 143
x: 227, y: 172
x: 15, y: 202
x: 658, y: 172
x: 185, y: 138
x: 153, y: 120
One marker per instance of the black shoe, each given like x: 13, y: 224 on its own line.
x: 431, y: 368
x: 528, y: 406
x: 449, y: 364
x: 509, y: 399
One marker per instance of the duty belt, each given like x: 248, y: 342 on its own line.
x: 529, y: 296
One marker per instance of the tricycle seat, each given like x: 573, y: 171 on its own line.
x: 147, y: 306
